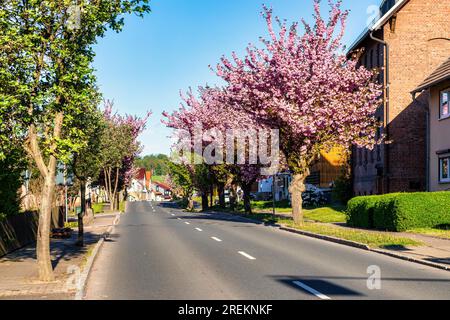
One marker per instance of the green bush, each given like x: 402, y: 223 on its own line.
x: 343, y: 190
x: 400, y: 211
x: 360, y: 211
x: 122, y: 206
x: 421, y: 210
x: 97, y: 207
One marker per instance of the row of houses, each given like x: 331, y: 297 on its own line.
x: 408, y: 43
x: 144, y: 188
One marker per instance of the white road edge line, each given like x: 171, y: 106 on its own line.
x: 216, y: 239
x: 311, y: 290
x: 246, y: 255
x: 198, y: 229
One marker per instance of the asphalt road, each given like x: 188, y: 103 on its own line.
x: 159, y: 252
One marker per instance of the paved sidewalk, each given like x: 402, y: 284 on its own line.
x: 18, y: 270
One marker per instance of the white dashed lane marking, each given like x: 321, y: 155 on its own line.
x: 246, y: 255
x: 311, y: 290
x: 216, y: 239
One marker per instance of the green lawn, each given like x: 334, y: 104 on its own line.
x: 372, y: 239
x: 327, y: 214
x: 159, y: 179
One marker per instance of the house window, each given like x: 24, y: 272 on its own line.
x: 444, y: 169
x: 444, y: 104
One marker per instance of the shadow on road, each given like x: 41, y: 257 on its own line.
x: 309, y: 278
x: 325, y: 287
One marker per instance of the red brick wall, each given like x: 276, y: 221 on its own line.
x: 416, y: 49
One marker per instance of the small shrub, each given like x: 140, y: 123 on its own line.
x: 343, y: 190
x: 400, y: 211
x: 122, y: 206
x: 313, y: 196
x: 360, y: 212
x: 97, y: 207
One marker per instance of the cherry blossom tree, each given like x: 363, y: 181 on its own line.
x: 119, y: 148
x: 209, y: 113
x: 302, y: 84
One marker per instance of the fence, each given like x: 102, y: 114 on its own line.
x: 20, y: 229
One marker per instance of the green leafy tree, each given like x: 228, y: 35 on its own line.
x: 46, y: 83
x: 181, y: 177
x: 12, y: 168
x: 119, y: 148
x: 87, y: 162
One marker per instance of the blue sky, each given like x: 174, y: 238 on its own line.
x: 145, y: 66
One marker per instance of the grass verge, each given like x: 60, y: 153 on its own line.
x: 326, y: 214
x: 370, y: 238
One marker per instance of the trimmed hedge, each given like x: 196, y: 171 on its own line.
x: 98, y: 207
x: 400, y: 211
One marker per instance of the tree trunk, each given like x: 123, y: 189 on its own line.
x: 190, y: 205
x: 211, y: 202
x: 81, y: 214
x: 114, y: 201
x: 246, y: 188
x: 204, y: 201
x: 233, y: 196
x: 43, y: 234
x: 296, y: 189
x: 45, y: 213
x: 221, y: 191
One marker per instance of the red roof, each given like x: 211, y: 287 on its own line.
x: 140, y: 174
x: 163, y: 185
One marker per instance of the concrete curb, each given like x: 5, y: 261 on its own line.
x: 411, y: 259
x: 367, y: 248
x: 350, y: 243
x: 327, y: 238
x: 88, y: 267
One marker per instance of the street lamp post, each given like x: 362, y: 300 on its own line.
x: 66, y: 203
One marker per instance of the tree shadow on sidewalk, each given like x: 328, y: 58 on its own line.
x: 61, y: 250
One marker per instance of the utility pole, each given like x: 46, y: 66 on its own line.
x: 274, y: 178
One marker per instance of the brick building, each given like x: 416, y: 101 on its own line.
x: 406, y: 42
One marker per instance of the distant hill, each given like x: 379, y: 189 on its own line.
x: 157, y: 163
x: 158, y: 179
